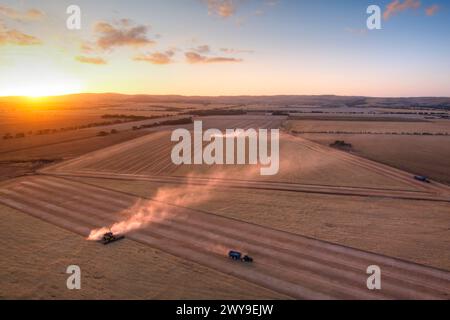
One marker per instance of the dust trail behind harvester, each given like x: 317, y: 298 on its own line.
x: 144, y: 212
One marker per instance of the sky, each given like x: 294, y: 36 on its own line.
x: 225, y: 47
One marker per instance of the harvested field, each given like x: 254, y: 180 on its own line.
x: 422, y: 155
x: 36, y: 120
x: 284, y: 221
x: 357, y: 118
x: 19, y: 156
x: 150, y: 155
x: 296, y: 266
x: 12, y: 169
x: 394, y: 126
x: 416, y: 230
x: 35, y: 141
x: 68, y: 148
x: 305, y: 166
x: 36, y: 255
x: 22, y: 115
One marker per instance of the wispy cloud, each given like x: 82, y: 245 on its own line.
x: 235, y: 51
x: 159, y: 58
x: 90, y: 60
x: 266, y: 3
x: 398, y: 6
x: 432, y: 10
x: 232, y: 8
x: 87, y: 47
x: 222, y: 8
x: 28, y: 15
x: 16, y: 37
x: 202, y: 49
x: 195, y: 58
x: 121, y: 34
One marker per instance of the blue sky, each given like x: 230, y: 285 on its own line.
x: 273, y: 47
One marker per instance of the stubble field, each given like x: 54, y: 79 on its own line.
x: 313, y: 228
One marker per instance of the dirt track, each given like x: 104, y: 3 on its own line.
x: 293, y: 265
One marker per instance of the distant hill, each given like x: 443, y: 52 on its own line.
x: 87, y: 100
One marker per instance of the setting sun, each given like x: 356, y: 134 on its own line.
x: 32, y: 73
x: 39, y: 84
x: 43, y: 89
x: 48, y: 88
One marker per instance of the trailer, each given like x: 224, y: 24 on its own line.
x: 238, y: 256
x: 235, y: 255
x: 422, y: 179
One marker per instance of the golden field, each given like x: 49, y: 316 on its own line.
x: 313, y: 228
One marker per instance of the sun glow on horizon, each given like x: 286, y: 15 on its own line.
x: 42, y: 89
x: 37, y: 72
x: 40, y: 84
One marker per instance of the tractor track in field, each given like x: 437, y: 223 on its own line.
x: 264, y: 185
x: 299, y: 267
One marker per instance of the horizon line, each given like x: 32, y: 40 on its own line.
x: 220, y: 96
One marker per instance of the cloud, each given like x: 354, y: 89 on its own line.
x: 229, y: 8
x: 158, y: 58
x: 195, y: 58
x: 235, y: 51
x: 87, y: 47
x: 126, y: 22
x: 431, y: 11
x: 202, y: 49
x: 16, y: 37
x: 90, y: 60
x: 266, y: 3
x: 398, y: 6
x: 121, y: 34
x: 31, y: 14
x: 222, y: 8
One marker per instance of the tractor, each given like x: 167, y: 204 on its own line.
x: 422, y: 179
x: 238, y: 256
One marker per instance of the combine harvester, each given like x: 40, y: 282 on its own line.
x: 109, y: 237
x: 237, y: 256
